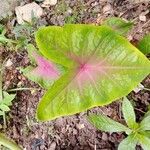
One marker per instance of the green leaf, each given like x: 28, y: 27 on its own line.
x: 8, y: 98
x: 128, y: 143
x: 144, y: 44
x: 106, y: 124
x: 8, y: 143
x: 144, y: 141
x: 147, y: 114
x: 4, y: 39
x: 121, y: 26
x: 4, y: 107
x: 145, y: 123
x: 128, y: 113
x: 106, y: 67
x: 145, y: 133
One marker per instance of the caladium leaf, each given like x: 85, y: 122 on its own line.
x: 102, y: 67
x: 121, y: 26
x: 144, y: 44
x: 128, y: 143
x: 129, y: 114
x: 106, y: 124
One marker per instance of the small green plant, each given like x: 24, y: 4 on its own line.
x: 3, y: 38
x: 24, y: 33
x: 138, y: 133
x: 5, y: 103
x: 99, y: 66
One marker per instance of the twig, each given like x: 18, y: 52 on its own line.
x: 147, y: 89
x: 20, y: 89
x: 140, y: 110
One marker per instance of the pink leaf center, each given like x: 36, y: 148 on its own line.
x: 45, y: 68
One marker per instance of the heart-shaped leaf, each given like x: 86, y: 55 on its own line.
x: 102, y: 67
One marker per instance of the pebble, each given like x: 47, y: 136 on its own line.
x: 48, y: 3
x: 80, y: 126
x: 8, y: 63
x: 104, y: 137
x: 142, y: 18
x: 107, y: 9
x: 26, y: 12
x: 52, y: 146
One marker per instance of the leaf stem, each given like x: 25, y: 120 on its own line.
x: 8, y: 143
x: 20, y: 89
x: 147, y: 89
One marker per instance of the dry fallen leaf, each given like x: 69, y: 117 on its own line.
x: 26, y: 12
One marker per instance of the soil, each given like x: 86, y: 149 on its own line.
x: 72, y: 132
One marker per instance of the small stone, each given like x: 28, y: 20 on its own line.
x: 48, y: 3
x: 130, y: 37
x: 7, y: 7
x: 8, y: 63
x: 27, y: 12
x: 142, y: 18
x: 107, y: 9
x: 104, y: 137
x: 75, y: 132
x: 52, y: 146
x: 80, y: 126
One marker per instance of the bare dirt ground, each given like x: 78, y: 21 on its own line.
x: 72, y: 132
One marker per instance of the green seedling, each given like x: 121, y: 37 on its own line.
x: 5, y: 103
x: 3, y: 38
x: 138, y: 133
x: 24, y: 33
